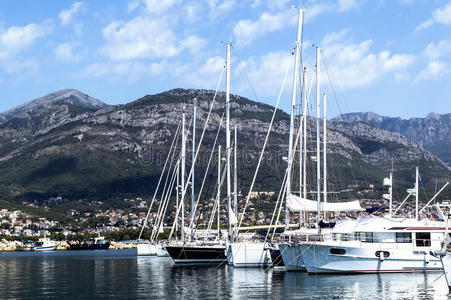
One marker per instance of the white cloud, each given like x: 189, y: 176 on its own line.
x: 440, y: 15
x: 65, y: 52
x: 132, y: 5
x: 265, y: 73
x: 16, y: 39
x: 218, y: 8
x: 344, y: 5
x: 67, y: 15
x: 145, y: 37
x: 142, y: 37
x: 245, y: 31
x: 159, y: 6
x: 434, y: 70
x: 193, y: 43
x: 434, y: 50
x: 355, y: 65
x: 205, y: 75
x: 131, y: 70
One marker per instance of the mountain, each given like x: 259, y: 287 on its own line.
x: 80, y: 152
x: 75, y: 97
x: 432, y: 132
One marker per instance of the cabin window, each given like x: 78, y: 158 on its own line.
x: 403, y: 237
x: 337, y: 251
x: 423, y: 239
x: 364, y: 237
x: 346, y: 237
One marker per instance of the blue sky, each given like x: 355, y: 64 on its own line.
x: 392, y: 57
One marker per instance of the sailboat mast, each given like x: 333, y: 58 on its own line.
x: 318, y: 157
x: 391, y: 194
x: 177, y: 189
x: 416, y: 194
x: 293, y: 107
x: 235, y: 176
x: 192, y: 177
x: 324, y: 153
x: 182, y: 175
x: 219, y: 189
x: 229, y: 208
x: 304, y: 171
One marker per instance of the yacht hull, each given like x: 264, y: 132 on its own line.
x: 196, y: 254
x: 248, y: 255
x: 321, y: 259
x: 146, y: 250
x: 292, y: 257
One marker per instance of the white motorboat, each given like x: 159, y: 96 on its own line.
x: 46, y: 244
x: 377, y: 245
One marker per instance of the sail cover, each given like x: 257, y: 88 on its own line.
x: 298, y: 204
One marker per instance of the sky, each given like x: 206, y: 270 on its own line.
x: 391, y: 57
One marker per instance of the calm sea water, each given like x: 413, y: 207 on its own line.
x: 120, y: 274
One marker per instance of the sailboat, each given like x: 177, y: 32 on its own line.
x: 202, y: 250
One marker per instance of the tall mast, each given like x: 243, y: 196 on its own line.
x: 293, y: 107
x: 219, y: 189
x: 391, y: 194
x: 324, y: 153
x: 304, y: 171
x: 235, y: 177
x: 182, y: 227
x: 177, y: 189
x: 229, y: 208
x: 318, y: 157
x: 192, y: 178
x: 416, y: 194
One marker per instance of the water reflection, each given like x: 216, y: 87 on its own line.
x: 96, y: 276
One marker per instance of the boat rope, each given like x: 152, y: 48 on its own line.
x: 207, y: 169
x: 262, y: 152
x: 197, y: 151
x: 159, y: 181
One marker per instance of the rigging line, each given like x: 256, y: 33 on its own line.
x: 159, y: 181
x: 165, y: 191
x: 208, y: 166
x: 165, y: 198
x: 331, y: 83
x: 165, y: 207
x: 198, y: 148
x: 263, y: 150
x: 282, y: 188
x: 240, y: 64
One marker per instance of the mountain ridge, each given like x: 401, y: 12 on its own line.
x: 432, y: 132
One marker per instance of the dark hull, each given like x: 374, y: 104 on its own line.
x: 90, y: 247
x: 276, y: 258
x: 197, y: 254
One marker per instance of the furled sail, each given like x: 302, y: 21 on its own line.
x: 298, y: 204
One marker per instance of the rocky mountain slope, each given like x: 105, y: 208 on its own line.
x: 77, y: 150
x: 432, y: 132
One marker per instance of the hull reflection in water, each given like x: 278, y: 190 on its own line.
x: 197, y: 254
x: 111, y: 274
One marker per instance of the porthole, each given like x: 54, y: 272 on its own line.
x: 386, y: 254
x: 337, y: 251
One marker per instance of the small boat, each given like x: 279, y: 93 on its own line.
x: 46, y: 244
x: 99, y: 243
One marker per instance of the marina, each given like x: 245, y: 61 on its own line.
x: 204, y: 193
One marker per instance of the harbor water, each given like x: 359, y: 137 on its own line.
x: 120, y: 274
